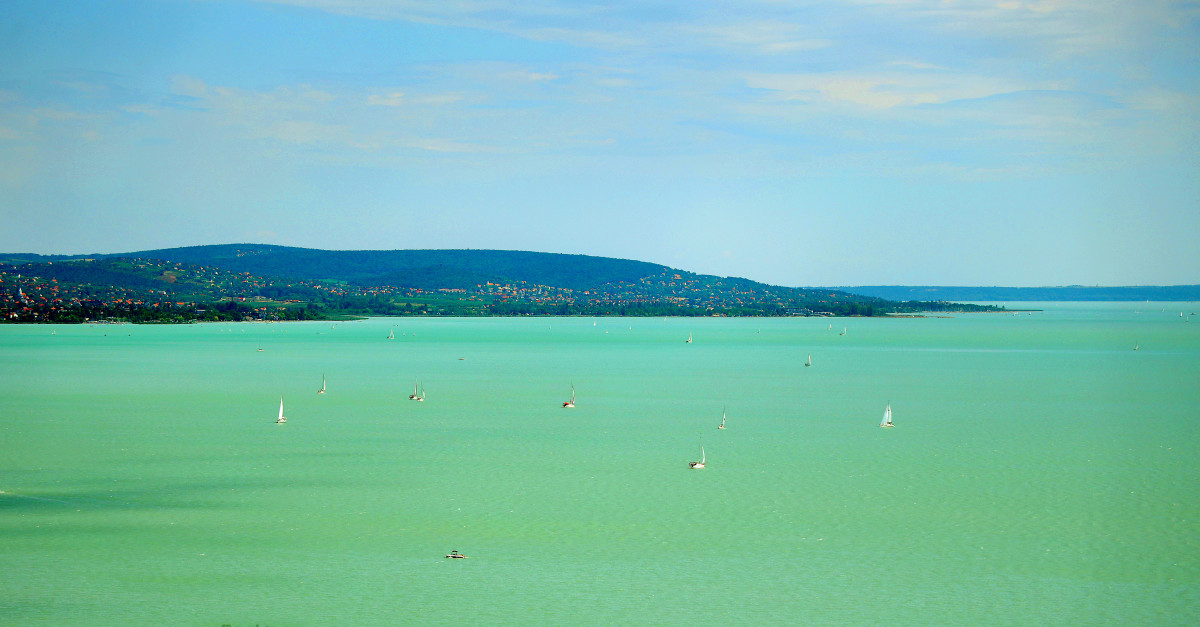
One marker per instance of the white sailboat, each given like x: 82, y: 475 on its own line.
x: 843, y: 331
x: 699, y: 464
x: 322, y: 390
x: 722, y: 425
x: 391, y: 334
x: 887, y: 417
x: 280, y: 420
x: 421, y: 397
x: 571, y: 403
x: 809, y: 362
x: 417, y: 394
x: 1135, y: 346
x: 689, y: 340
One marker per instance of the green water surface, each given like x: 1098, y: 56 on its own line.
x: 1041, y: 471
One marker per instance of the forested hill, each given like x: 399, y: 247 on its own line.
x: 1007, y: 294
x: 425, y: 269
x: 240, y: 281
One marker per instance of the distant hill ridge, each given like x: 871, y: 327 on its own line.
x: 409, y: 268
x: 1007, y: 294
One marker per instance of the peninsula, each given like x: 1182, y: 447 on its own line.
x: 263, y: 282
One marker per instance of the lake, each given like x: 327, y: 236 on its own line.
x: 1041, y: 471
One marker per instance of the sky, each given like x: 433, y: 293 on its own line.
x: 798, y: 143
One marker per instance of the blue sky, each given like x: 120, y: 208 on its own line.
x: 969, y: 142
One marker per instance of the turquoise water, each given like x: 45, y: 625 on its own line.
x: 1041, y: 471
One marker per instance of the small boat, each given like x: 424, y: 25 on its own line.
x: 416, y: 395
x: 571, y: 403
x: 1135, y: 346
x: 280, y: 420
x: 420, y: 397
x: 391, y: 335
x: 689, y: 340
x: 809, y: 362
x: 456, y: 555
x: 322, y: 390
x: 722, y: 425
x: 843, y: 331
x: 699, y: 464
x: 887, y: 417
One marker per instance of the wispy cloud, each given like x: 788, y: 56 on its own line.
x: 881, y: 90
x: 764, y: 36
x: 401, y: 99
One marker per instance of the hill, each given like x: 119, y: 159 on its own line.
x: 239, y: 281
x: 426, y: 269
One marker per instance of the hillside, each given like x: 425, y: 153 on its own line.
x: 274, y: 282
x: 426, y: 269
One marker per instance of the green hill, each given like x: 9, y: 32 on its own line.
x: 239, y: 281
x: 426, y: 269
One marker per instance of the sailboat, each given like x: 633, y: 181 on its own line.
x: 1135, y: 346
x: 699, y: 464
x: 571, y: 403
x: 843, y: 331
x: 322, y: 390
x: 416, y: 395
x: 280, y: 420
x: 809, y: 362
x: 887, y: 417
x: 422, y: 395
x: 391, y: 334
x: 722, y: 425
x: 689, y: 340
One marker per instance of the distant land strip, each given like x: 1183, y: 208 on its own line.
x: 1010, y: 294
x: 261, y: 282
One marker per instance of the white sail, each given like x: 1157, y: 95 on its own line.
x: 322, y: 390
x: 722, y: 425
x: 699, y: 464
x: 809, y: 362
x: 280, y: 419
x: 887, y: 416
x: 689, y: 340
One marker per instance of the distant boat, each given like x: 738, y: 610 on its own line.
x: 417, y: 394
x: 689, y: 340
x: 830, y: 326
x: 456, y: 555
x: 887, y: 417
x: 843, y: 331
x: 722, y: 425
x: 421, y: 397
x: 571, y: 403
x: 809, y: 362
x: 280, y: 420
x: 391, y: 334
x: 699, y: 464
x: 322, y: 390
x: 1135, y: 346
